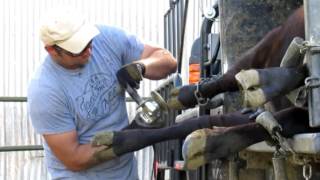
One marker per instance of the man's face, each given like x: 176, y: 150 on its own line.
x: 73, y: 61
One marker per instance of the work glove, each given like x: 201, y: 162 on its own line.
x: 131, y: 74
x: 104, y: 141
x: 182, y: 97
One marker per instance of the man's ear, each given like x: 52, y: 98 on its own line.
x: 51, y: 50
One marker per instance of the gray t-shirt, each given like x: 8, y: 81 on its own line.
x: 87, y: 100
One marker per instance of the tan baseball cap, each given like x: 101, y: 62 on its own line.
x: 68, y: 30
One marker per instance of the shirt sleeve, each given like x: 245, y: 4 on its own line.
x: 127, y: 45
x: 48, y: 112
x: 133, y: 48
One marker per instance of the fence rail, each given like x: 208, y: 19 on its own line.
x: 24, y: 99
x: 21, y: 148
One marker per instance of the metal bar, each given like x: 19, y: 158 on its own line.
x: 312, y: 31
x: 24, y: 99
x: 129, y: 99
x: 166, y: 31
x: 233, y: 169
x: 205, y: 30
x: 171, y: 39
x: 279, y: 167
x: 21, y: 148
x: 13, y: 99
x: 178, y: 27
x: 174, y: 32
x: 184, y: 11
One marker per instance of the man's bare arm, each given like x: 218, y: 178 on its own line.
x: 73, y: 155
x: 158, y: 62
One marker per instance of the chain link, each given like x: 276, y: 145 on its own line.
x: 267, y: 120
x: 202, y: 101
x: 307, y: 171
x: 283, y: 142
x: 312, y: 82
x: 307, y: 46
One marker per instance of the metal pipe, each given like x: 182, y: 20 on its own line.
x: 312, y: 32
x: 24, y: 99
x: 174, y: 32
x: 166, y: 30
x: 205, y: 30
x: 21, y: 148
x: 13, y: 99
x: 170, y: 33
x: 279, y: 167
x: 233, y: 169
x: 183, y: 29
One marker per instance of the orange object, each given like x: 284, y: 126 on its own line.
x: 194, y: 73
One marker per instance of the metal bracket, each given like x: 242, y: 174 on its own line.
x: 267, y: 121
x: 312, y: 47
x: 279, y: 165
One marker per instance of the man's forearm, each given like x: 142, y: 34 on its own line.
x: 159, y: 64
x: 83, y: 157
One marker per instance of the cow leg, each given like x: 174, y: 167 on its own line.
x: 135, y: 125
x: 268, y: 52
x: 205, y: 145
x: 128, y: 140
x: 261, y: 85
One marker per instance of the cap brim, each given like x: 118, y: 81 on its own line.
x: 80, y: 39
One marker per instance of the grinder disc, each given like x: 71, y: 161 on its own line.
x: 161, y: 102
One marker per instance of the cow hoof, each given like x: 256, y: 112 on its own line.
x: 194, y: 143
x: 249, y: 82
x: 253, y: 98
x: 195, y: 146
x: 248, y: 78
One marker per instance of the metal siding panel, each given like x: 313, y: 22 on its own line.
x: 21, y: 52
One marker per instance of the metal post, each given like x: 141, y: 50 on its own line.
x: 279, y: 166
x: 233, y: 170
x: 312, y: 31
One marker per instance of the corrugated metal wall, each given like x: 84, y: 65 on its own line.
x: 21, y: 52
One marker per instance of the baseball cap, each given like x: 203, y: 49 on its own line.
x: 67, y: 29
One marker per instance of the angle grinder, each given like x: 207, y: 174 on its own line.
x: 149, y: 110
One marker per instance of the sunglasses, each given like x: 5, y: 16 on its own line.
x: 60, y: 50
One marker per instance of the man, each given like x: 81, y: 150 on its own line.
x: 75, y: 93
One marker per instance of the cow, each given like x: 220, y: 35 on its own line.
x: 267, y: 53
x: 212, y: 137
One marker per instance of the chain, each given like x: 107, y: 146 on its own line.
x: 267, y: 121
x: 283, y: 142
x: 312, y: 82
x: 307, y: 46
x: 200, y: 99
x: 307, y: 171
